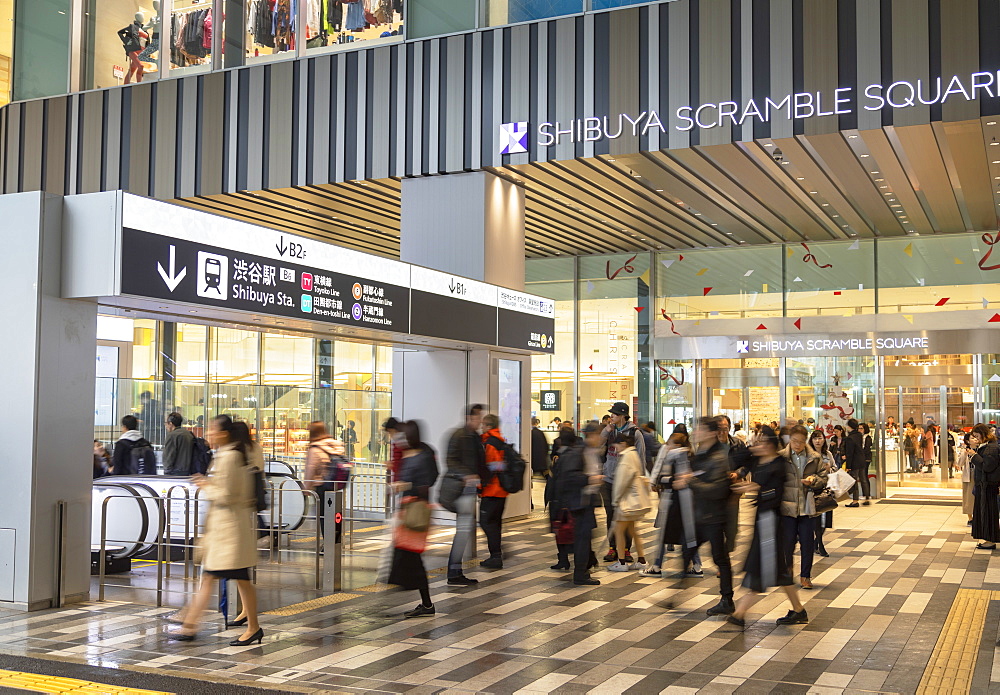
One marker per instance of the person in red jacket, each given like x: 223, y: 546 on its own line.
x: 494, y: 497
x: 393, y: 432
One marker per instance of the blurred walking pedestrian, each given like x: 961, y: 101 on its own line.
x: 630, y: 492
x: 466, y: 460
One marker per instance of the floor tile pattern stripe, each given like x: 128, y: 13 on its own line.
x: 953, y: 660
x: 53, y: 684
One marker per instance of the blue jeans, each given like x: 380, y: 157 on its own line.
x: 465, y: 526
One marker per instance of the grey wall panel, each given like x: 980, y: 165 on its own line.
x: 92, y: 149
x: 55, y: 145
x: 475, y: 135
x: 211, y: 133
x: 187, y: 138
x: 13, y: 145
x: 679, y: 60
x: 518, y: 78
x: 379, y: 119
x: 338, y: 123
x: 868, y: 58
x: 623, y: 90
x: 715, y: 84
x: 819, y: 64
x: 114, y: 131
x: 910, y: 58
x: 138, y: 154
x: 32, y: 145
x: 254, y: 108
x: 565, y: 85
x: 782, y: 63
x: 165, y: 140
x: 279, y: 126
x: 317, y: 140
x: 453, y: 99
x: 960, y: 55
x: 432, y: 107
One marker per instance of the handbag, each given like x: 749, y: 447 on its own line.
x: 563, y: 527
x: 825, y: 501
x: 638, y: 499
x: 840, y: 483
x: 416, y: 514
x: 449, y: 492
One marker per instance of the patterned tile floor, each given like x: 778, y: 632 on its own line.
x: 880, y: 605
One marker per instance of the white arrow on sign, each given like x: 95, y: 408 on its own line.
x: 171, y: 279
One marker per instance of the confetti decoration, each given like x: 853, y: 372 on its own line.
x: 855, y: 246
x: 990, y: 243
x: 995, y: 319
x: 590, y: 287
x: 667, y: 264
x: 702, y: 271
x: 639, y: 309
x: 748, y: 273
x: 986, y: 302
x: 663, y: 313
x: 761, y: 327
x: 908, y: 250
x: 837, y: 294
x: 908, y: 317
x: 789, y: 252
x: 849, y: 376
x: 942, y: 301
x: 920, y: 281
x: 591, y: 367
x: 680, y: 257
x: 995, y: 377
x: 798, y: 324
x: 698, y: 322
x: 958, y: 261
x: 705, y: 291
x: 797, y: 279
x: 811, y: 257
x: 671, y: 421
x: 765, y: 287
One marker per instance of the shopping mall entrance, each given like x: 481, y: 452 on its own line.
x: 925, y: 391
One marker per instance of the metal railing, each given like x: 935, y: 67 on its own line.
x: 367, y: 497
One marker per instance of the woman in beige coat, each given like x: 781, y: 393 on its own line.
x: 228, y: 547
x: 631, y: 494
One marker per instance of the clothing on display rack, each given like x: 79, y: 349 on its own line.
x: 191, y: 34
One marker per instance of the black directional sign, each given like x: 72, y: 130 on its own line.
x: 185, y: 271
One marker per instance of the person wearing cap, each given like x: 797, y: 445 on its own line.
x: 612, y: 436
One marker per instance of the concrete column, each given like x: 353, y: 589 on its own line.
x: 472, y: 225
x: 48, y: 373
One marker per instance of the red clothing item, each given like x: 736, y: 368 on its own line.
x: 493, y: 455
x: 395, y: 460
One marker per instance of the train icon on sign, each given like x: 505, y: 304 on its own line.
x: 213, y: 275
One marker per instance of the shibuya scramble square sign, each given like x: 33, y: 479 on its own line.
x: 901, y: 94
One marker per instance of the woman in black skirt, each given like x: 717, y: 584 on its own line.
x: 986, y: 476
x: 766, y: 564
x: 417, y: 474
x: 817, y: 440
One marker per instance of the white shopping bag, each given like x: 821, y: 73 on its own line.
x: 841, y: 482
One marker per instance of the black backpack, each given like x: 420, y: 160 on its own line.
x: 142, y: 460
x: 260, y: 490
x: 512, y: 476
x: 201, y: 456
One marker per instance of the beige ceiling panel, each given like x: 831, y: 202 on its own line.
x: 917, y: 149
x: 843, y: 167
x: 970, y: 170
x: 891, y: 170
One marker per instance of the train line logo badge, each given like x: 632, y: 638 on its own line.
x: 742, y: 346
x: 514, y: 137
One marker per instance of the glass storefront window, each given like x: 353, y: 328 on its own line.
x: 612, y: 4
x: 191, y: 352
x: 122, y: 43
x: 991, y: 386
x: 553, y: 278
x: 336, y: 23
x: 234, y: 357
x: 192, y: 23
x: 287, y: 360
x: 437, y: 17
x: 675, y: 394
x: 145, y: 363
x: 6, y: 48
x: 833, y: 278
x: 939, y: 273
x: 499, y: 12
x: 613, y: 334
x: 354, y: 366
x: 383, y: 368
x: 830, y: 390
x: 720, y: 283
x: 270, y: 28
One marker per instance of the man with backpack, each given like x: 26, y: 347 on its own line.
x: 178, y: 448
x: 133, y: 454
x: 326, y: 468
x: 493, y: 495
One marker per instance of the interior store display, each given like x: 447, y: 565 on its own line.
x: 134, y: 38
x: 191, y: 36
x: 271, y: 23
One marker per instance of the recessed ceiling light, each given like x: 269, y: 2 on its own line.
x: 659, y: 190
x: 697, y: 214
x: 879, y: 180
x: 843, y: 225
x: 768, y: 144
x: 875, y: 172
x: 835, y: 215
x: 636, y: 176
x: 715, y: 224
x: 852, y: 137
x: 897, y: 205
x: 611, y: 160
x: 994, y: 143
x: 785, y: 163
x: 814, y: 192
x: 826, y: 205
x: 866, y: 155
x: 800, y: 178
x: 991, y: 122
x: 887, y: 192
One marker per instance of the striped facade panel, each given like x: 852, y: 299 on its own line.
x: 434, y: 106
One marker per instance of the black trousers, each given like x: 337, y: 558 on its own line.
x: 491, y: 521
x: 583, y: 525
x: 609, y: 512
x: 714, y: 534
x: 863, y: 485
x: 801, y: 530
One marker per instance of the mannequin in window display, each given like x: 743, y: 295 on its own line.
x: 132, y: 37
x: 153, y: 45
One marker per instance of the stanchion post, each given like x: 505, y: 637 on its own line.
x: 333, y: 524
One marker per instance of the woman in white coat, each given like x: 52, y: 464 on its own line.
x: 631, y: 495
x: 229, y: 545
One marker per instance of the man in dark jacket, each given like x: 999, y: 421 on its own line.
x: 709, y: 481
x: 854, y: 457
x: 466, y: 459
x: 132, y: 439
x: 178, y: 447
x: 539, y: 449
x: 739, y: 466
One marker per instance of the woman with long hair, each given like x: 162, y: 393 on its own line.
x: 767, y: 564
x: 986, y: 475
x: 675, y: 515
x: 927, y: 447
x: 817, y: 442
x: 630, y: 493
x: 963, y: 461
x: 228, y: 546
x: 838, y: 442
x: 417, y: 475
x: 558, y: 510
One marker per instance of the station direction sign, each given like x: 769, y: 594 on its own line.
x: 173, y: 253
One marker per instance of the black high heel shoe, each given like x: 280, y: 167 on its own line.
x: 593, y: 561
x: 240, y: 622
x: 257, y: 637
x: 561, y: 565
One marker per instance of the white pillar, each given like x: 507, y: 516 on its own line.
x: 471, y: 225
x: 48, y: 376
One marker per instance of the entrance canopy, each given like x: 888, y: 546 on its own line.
x: 167, y: 259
